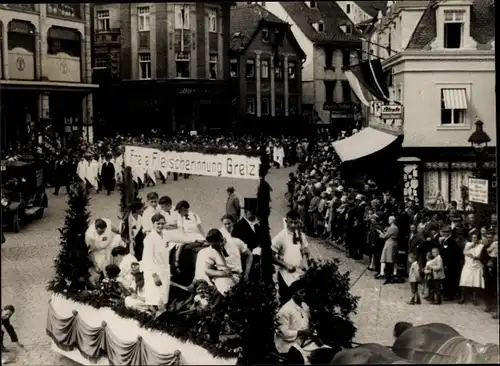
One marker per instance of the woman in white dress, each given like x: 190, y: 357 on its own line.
x: 100, y: 239
x: 156, y: 264
x: 471, y: 278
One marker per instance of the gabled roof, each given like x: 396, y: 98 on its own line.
x: 372, y: 7
x: 482, y: 25
x: 328, y: 12
x: 245, y: 21
x: 248, y: 19
x: 409, y: 4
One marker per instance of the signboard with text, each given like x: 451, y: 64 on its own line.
x: 215, y: 165
x: 478, y: 190
x: 391, y: 112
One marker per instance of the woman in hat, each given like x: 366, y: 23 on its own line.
x: 389, y: 251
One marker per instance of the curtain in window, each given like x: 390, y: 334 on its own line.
x: 436, y: 184
x: 459, y: 179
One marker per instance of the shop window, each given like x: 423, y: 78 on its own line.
x: 213, y: 67
x: 182, y: 64
x: 264, y: 69
x: 278, y: 70
x: 264, y: 106
x: 459, y: 181
x: 436, y: 188
x: 145, y: 66
x: 292, y: 69
x: 292, y: 106
x: 250, y: 69
x: 64, y: 40
x: 279, y: 107
x: 233, y: 67
x: 21, y: 34
x: 251, y: 106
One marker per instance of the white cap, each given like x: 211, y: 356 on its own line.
x: 340, y: 189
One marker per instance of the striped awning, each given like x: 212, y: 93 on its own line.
x: 454, y: 98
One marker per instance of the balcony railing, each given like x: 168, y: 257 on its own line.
x: 108, y: 31
x: 29, y: 7
x: 65, y: 10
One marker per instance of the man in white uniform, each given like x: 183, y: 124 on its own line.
x: 221, y: 264
x: 152, y: 209
x: 294, y: 336
x: 290, y: 249
x: 100, y: 238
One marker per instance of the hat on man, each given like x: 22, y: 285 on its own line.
x: 250, y: 204
x: 340, y: 189
x: 446, y: 229
x: 230, y: 189
x: 359, y: 197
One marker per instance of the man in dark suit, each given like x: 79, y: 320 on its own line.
x: 233, y: 207
x: 108, y: 174
x: 62, y: 170
x: 246, y: 229
x: 452, y: 262
x: 415, y: 239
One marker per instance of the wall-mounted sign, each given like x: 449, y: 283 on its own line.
x: 391, y: 112
x: 20, y: 64
x: 64, y: 67
x: 478, y: 190
x: 376, y: 108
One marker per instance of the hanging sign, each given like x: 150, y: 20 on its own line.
x: 478, y: 190
x: 391, y: 112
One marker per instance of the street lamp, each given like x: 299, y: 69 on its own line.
x: 479, y: 141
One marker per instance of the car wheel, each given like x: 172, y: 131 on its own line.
x: 16, y: 222
x: 40, y: 213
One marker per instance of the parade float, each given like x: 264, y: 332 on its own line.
x: 241, y: 330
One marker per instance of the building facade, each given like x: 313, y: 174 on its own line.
x: 46, y: 90
x: 265, y: 69
x: 172, y: 73
x: 330, y: 42
x: 443, y: 72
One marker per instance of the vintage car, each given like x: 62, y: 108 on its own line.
x: 23, y: 192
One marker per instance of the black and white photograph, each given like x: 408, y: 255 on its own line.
x: 249, y: 183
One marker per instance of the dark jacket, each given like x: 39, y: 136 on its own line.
x: 108, y: 171
x: 244, y: 232
x: 415, y: 241
x: 452, y: 255
x: 10, y: 330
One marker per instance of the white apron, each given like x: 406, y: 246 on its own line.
x: 100, y: 246
x: 92, y: 173
x: 156, y: 259
x: 81, y: 169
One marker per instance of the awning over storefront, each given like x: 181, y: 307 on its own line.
x: 455, y: 98
x: 366, y: 142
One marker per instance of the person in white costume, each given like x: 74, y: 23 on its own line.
x: 294, y: 337
x: 123, y: 259
x: 100, y: 238
x: 151, y: 209
x: 81, y: 169
x: 278, y: 154
x: 290, y: 249
x: 166, y: 210
x: 189, y: 222
x: 156, y: 262
x: 221, y: 264
x: 93, y: 172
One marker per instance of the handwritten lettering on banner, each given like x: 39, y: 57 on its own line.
x: 220, y: 165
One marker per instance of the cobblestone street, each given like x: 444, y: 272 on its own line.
x: 27, y: 260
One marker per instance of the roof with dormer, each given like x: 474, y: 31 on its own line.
x: 329, y: 13
x: 482, y: 24
x: 371, y: 7
x: 247, y: 19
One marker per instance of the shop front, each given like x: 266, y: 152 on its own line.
x: 50, y: 113
x: 168, y: 106
x: 434, y: 177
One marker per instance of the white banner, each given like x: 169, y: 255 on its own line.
x: 220, y: 165
x: 478, y: 190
